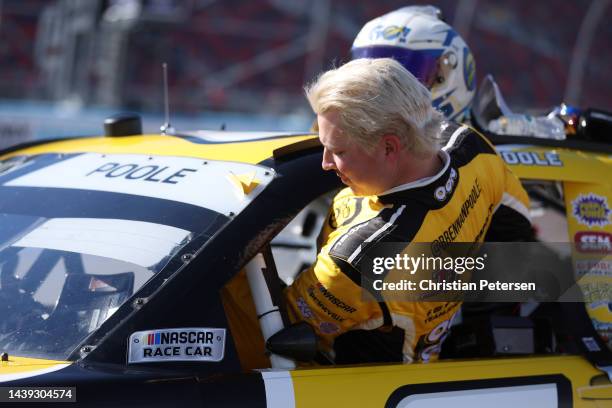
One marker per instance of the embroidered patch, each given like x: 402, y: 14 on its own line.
x: 304, y: 308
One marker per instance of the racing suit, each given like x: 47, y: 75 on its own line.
x: 475, y: 196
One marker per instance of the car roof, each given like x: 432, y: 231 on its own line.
x: 245, y: 147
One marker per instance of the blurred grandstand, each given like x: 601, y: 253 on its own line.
x: 254, y: 56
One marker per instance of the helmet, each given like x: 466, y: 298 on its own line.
x: 430, y: 49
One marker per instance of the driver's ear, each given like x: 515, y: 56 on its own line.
x: 392, y: 145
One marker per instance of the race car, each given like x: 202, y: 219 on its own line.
x: 122, y: 259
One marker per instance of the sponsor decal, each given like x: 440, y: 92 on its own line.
x: 596, y: 293
x: 304, y: 309
x: 328, y: 327
x: 439, y: 311
x: 594, y: 267
x: 593, y: 241
x: 185, y: 344
x: 591, y: 210
x: 334, y: 300
x: 444, y: 191
x: 430, y: 344
x: 547, y: 159
x: 390, y: 33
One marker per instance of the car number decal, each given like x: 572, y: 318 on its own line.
x: 184, y: 344
x: 534, y: 391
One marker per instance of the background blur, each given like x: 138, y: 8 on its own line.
x: 66, y: 64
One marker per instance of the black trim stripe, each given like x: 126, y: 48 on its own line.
x: 407, y: 224
x: 68, y: 203
x: 350, y: 241
x: 445, y: 135
x: 467, y: 146
x: 349, y: 270
x: 387, y: 320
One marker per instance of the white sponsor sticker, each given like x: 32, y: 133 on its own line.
x: 203, y: 183
x: 185, y: 344
x: 591, y: 344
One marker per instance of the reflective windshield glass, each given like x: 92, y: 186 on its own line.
x: 80, y: 234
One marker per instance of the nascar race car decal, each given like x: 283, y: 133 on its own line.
x: 186, y: 344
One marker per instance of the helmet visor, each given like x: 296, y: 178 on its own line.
x: 423, y: 64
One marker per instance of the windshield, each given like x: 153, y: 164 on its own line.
x: 80, y: 234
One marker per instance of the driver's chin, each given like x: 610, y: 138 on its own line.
x: 358, y: 191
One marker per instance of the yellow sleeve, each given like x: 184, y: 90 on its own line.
x: 329, y: 301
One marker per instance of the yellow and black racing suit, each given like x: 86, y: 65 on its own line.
x: 474, y: 197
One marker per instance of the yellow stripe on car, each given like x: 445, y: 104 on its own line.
x: 24, y: 367
x: 158, y: 145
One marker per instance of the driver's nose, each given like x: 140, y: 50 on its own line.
x: 327, y: 163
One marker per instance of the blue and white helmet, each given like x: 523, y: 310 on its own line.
x: 430, y: 49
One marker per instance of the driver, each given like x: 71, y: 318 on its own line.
x: 381, y: 136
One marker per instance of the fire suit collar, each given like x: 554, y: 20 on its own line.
x: 426, y: 181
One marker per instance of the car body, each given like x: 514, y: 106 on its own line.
x: 107, y: 241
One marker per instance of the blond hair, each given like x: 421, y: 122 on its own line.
x: 377, y: 97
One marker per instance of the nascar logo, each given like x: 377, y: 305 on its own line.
x: 157, y: 338
x: 153, y: 338
x: 180, y: 344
